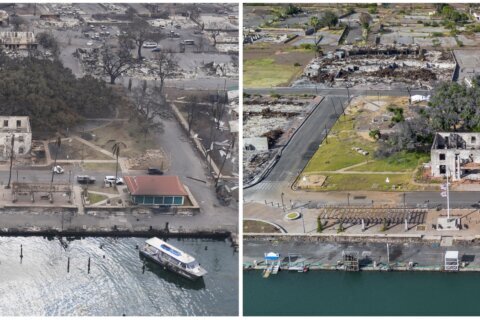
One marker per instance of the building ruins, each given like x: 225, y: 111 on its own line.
x: 16, y: 40
x: 456, y: 154
x: 4, y: 21
x: 19, y: 129
x: 381, y: 64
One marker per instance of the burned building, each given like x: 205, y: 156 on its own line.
x: 15, y: 40
x: 19, y: 129
x: 457, y: 154
x: 3, y: 18
x: 387, y: 64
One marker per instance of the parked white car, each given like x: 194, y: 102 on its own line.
x: 150, y: 45
x: 57, y: 169
x: 111, y: 179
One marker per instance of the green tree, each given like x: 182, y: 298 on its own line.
x: 292, y: 9
x: 374, y: 134
x: 329, y: 19
x: 315, y: 23
x: 51, y: 95
x: 319, y: 225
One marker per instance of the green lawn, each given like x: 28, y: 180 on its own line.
x: 401, y: 162
x: 371, y: 182
x: 94, y: 198
x: 338, y: 153
x: 266, y: 72
x: 101, y: 167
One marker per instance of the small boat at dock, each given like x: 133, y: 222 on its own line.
x: 172, y: 259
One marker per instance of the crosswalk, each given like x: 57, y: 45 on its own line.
x: 264, y: 185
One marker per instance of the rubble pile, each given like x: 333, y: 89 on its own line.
x: 254, y: 162
x: 418, y: 74
x: 381, y: 64
x: 274, y: 118
x: 273, y: 136
x: 220, y: 69
x: 269, y: 113
x: 151, y: 158
x: 89, y: 57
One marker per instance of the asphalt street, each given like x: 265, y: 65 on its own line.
x: 45, y: 175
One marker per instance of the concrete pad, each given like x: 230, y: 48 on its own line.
x: 446, y: 242
x: 447, y: 224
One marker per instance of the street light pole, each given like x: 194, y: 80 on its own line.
x: 448, y: 197
x: 348, y: 199
x: 303, y: 220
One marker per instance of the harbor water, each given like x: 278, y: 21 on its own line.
x: 338, y: 293
x: 53, y: 279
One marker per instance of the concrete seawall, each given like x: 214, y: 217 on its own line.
x: 326, y: 252
x: 55, y: 221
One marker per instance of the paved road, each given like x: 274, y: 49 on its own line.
x: 45, y: 175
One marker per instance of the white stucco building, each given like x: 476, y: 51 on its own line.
x: 19, y: 128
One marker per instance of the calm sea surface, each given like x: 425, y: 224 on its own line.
x: 39, y: 285
x: 363, y: 293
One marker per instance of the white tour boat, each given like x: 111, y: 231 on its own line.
x: 172, y: 258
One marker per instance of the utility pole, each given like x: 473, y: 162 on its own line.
x: 448, y: 197
x: 223, y: 162
x: 388, y: 255
x: 11, y: 162
x: 303, y: 220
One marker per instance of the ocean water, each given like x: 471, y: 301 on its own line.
x: 338, y: 293
x: 120, y: 281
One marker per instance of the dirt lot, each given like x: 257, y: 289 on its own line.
x: 268, y: 64
x: 251, y: 226
x: 72, y: 149
x: 128, y: 133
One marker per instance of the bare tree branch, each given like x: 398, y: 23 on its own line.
x: 116, y: 61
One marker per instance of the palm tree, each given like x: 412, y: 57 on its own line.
x: 58, y: 144
x: 116, y: 148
